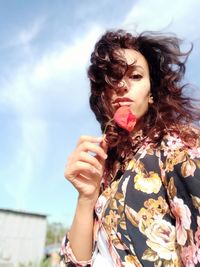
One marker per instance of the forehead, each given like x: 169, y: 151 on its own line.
x: 134, y: 57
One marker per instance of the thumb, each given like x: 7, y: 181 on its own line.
x: 104, y: 146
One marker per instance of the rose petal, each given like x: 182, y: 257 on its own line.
x: 125, y: 118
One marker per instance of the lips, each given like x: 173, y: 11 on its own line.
x: 122, y: 101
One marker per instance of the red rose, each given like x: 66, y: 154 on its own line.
x: 125, y: 118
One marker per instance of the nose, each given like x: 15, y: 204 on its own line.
x: 122, y: 87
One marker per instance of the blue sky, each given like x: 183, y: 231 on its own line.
x: 44, y: 54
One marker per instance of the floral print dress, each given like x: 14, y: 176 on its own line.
x: 150, y: 215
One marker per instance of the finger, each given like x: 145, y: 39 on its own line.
x: 86, y: 157
x: 104, y: 146
x: 88, y: 177
x: 90, y: 147
x: 82, y: 167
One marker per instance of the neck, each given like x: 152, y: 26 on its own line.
x: 139, y: 126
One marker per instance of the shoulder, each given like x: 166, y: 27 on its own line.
x: 182, y: 137
x: 180, y: 151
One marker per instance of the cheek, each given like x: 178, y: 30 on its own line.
x: 147, y: 88
x: 143, y: 89
x: 142, y: 96
x: 140, y: 107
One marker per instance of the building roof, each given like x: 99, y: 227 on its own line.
x: 21, y: 212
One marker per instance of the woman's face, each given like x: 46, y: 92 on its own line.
x: 134, y: 89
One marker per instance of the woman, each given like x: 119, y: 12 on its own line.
x: 138, y: 184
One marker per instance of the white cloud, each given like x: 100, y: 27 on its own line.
x: 32, y: 80
x: 16, y: 93
x: 176, y: 15
x: 68, y: 58
x: 25, y: 36
x: 20, y: 95
x: 26, y: 161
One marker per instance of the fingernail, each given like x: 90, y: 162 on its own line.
x: 105, y: 156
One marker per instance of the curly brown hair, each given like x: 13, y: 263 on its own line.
x: 167, y: 68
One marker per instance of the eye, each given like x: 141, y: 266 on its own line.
x: 136, y: 76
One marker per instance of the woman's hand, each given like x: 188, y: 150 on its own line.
x: 83, y: 169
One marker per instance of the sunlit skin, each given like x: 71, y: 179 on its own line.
x: 135, y: 86
x: 84, y: 170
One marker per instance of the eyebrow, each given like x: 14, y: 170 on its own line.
x: 133, y: 67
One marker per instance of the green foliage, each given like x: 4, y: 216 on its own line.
x: 55, y: 233
x: 44, y: 263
